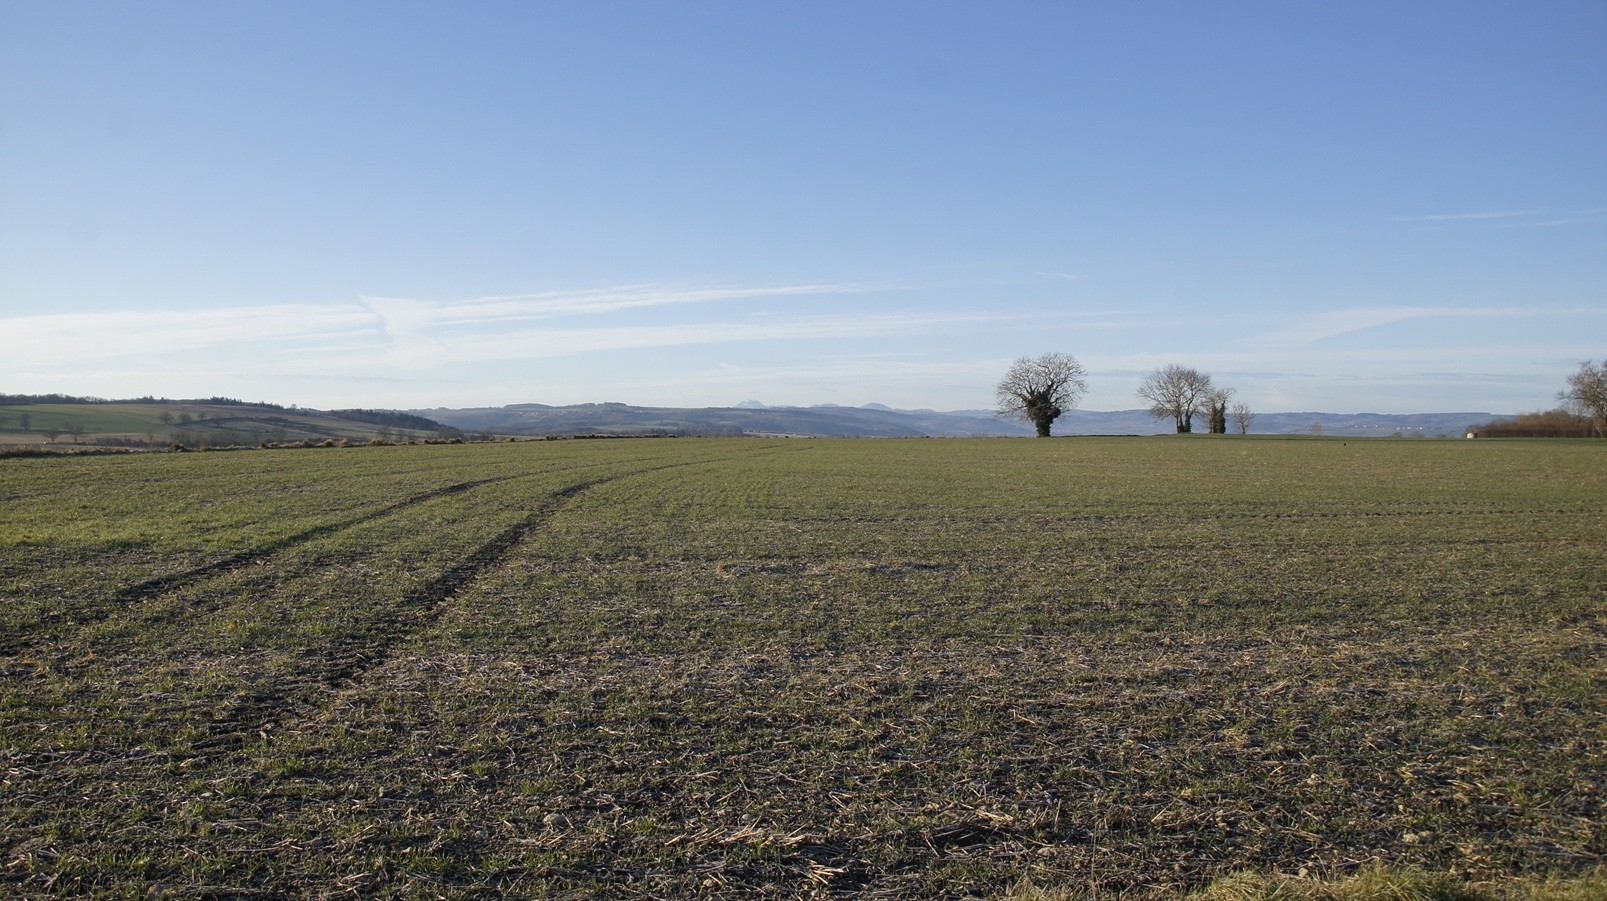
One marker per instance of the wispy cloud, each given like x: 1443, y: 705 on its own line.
x: 418, y: 332
x: 1476, y: 215
x: 424, y: 349
x: 1512, y: 218
x: 415, y: 313
x: 1332, y: 323
x: 402, y: 335
x: 848, y: 380
x: 69, y: 337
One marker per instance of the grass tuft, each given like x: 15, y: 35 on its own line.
x: 1368, y: 885
x: 1379, y: 884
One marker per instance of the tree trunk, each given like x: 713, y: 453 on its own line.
x: 1043, y: 423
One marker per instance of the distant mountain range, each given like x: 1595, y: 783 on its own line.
x: 750, y: 417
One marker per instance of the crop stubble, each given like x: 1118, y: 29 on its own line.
x: 737, y: 668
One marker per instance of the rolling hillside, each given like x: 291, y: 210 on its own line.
x: 60, y: 422
x: 624, y: 419
x: 214, y: 423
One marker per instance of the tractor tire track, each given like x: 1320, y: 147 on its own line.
x: 354, y: 656
x: 348, y: 659
x: 141, y: 591
x: 152, y: 587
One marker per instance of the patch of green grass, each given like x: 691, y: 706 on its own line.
x: 1367, y: 885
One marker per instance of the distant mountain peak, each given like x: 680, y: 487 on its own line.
x: 751, y: 404
x: 874, y: 406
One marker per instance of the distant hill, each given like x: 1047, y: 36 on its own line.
x: 147, y: 422
x: 63, y: 420
x: 1451, y: 425
x: 624, y: 419
x: 1139, y: 422
x: 876, y: 420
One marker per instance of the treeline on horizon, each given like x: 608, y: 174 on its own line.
x: 13, y: 400
x: 392, y: 418
x: 1558, y: 423
x: 1555, y: 423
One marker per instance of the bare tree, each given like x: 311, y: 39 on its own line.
x: 77, y: 430
x: 1177, y: 392
x: 1242, y: 418
x: 1587, y: 392
x: 26, y: 421
x: 1216, y: 407
x: 51, y: 433
x: 1039, y: 389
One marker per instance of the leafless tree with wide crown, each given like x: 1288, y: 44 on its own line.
x: 1587, y: 392
x: 1039, y: 389
x: 1177, y: 392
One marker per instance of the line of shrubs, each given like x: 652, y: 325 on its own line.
x: 19, y: 451
x: 177, y: 447
x: 1557, y: 423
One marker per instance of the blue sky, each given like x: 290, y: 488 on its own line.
x: 1392, y: 207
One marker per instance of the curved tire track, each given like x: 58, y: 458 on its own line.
x: 151, y: 587
x: 349, y: 658
x: 140, y: 591
x: 355, y: 655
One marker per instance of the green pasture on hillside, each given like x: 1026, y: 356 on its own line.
x: 736, y: 668
x: 202, y: 423
x: 123, y: 420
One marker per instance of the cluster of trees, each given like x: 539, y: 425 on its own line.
x: 391, y: 418
x: 19, y: 399
x: 53, y: 431
x: 1040, y: 389
x: 1586, y: 395
x: 1180, y: 393
x: 15, y: 400
x: 1558, y: 423
x: 1583, y: 413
